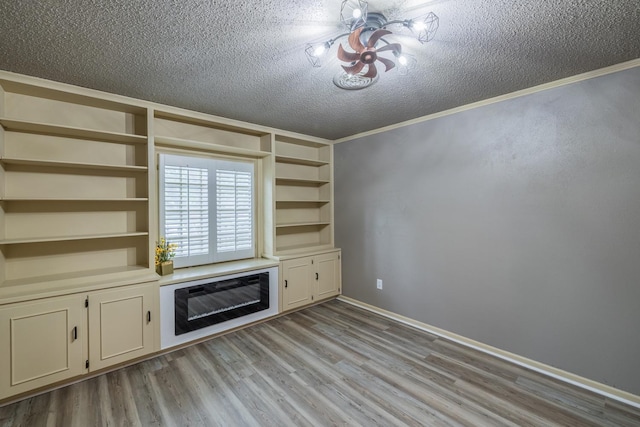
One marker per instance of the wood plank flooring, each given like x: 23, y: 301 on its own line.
x: 328, y: 365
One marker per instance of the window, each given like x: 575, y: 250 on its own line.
x: 207, y: 207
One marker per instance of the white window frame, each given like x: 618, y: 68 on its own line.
x: 212, y: 164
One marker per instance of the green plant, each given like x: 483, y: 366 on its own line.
x: 165, y: 251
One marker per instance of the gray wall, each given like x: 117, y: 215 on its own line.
x: 515, y: 224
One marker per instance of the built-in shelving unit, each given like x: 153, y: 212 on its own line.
x: 79, y: 221
x: 77, y: 181
x: 74, y: 187
x: 303, y: 194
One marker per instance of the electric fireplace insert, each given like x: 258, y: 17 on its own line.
x: 201, y: 307
x: 206, y: 304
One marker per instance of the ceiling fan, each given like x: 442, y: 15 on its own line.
x: 366, y: 34
x: 367, y: 55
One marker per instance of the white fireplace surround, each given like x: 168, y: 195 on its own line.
x: 168, y: 338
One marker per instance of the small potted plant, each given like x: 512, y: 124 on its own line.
x: 165, y: 252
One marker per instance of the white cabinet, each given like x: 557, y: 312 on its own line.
x: 51, y: 340
x: 121, y: 324
x: 297, y: 289
x: 327, y: 275
x: 41, y: 343
x: 309, y: 279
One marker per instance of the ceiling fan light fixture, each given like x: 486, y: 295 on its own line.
x: 368, y: 35
x: 425, y: 27
x: 418, y: 25
x: 357, y: 81
x: 406, y: 63
x: 315, y: 52
x: 353, y: 14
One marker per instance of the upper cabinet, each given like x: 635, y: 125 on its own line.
x: 303, y: 176
x: 74, y: 188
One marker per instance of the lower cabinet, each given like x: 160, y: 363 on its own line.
x: 121, y: 325
x: 41, y: 343
x: 308, y: 279
x: 327, y: 275
x: 54, y: 339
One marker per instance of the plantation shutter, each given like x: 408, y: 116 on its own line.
x: 186, y: 195
x: 207, y: 208
x: 234, y: 211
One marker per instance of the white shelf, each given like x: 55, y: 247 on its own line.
x: 71, y: 238
x: 210, y: 147
x: 300, y: 161
x: 18, y: 288
x: 298, y: 201
x: 299, y: 181
x: 73, y: 165
x: 298, y: 249
x: 296, y: 141
x: 72, y: 132
x: 72, y: 95
x: 40, y: 199
x: 303, y: 224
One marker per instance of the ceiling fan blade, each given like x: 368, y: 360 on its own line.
x: 396, y: 47
x: 376, y: 36
x: 345, y: 56
x: 389, y: 64
x: 371, y: 72
x: 354, y: 40
x: 355, y: 69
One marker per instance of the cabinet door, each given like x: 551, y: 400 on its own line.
x: 121, y: 324
x: 296, y: 287
x: 41, y: 343
x: 327, y: 269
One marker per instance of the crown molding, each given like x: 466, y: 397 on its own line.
x: 523, y: 92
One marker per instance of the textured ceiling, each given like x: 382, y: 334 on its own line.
x: 244, y: 59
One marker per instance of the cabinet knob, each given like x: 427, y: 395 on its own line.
x: 74, y: 333
x: 148, y: 316
x: 316, y: 276
x: 286, y: 283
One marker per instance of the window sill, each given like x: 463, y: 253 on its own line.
x: 214, y: 270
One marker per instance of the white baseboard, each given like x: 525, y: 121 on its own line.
x: 585, y: 383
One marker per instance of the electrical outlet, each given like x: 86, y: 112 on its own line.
x: 379, y: 284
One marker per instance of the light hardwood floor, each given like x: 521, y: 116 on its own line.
x: 332, y: 364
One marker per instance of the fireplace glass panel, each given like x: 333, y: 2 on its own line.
x: 235, y: 295
x: 200, y: 306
